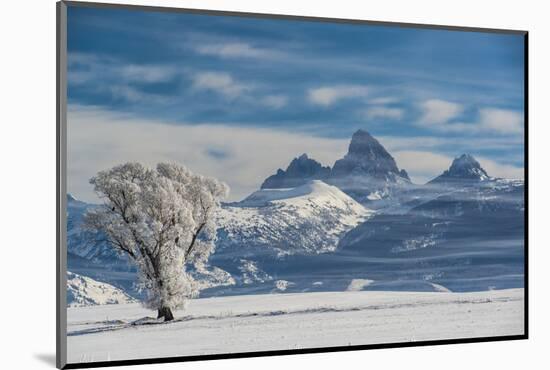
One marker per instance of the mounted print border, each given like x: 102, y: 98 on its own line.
x: 320, y: 179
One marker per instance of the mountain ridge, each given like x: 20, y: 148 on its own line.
x: 271, y: 219
x: 300, y: 170
x: 463, y: 168
x: 85, y: 291
x: 367, y: 171
x: 366, y: 156
x: 312, y: 227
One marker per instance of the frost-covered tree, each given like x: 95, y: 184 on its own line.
x: 162, y: 219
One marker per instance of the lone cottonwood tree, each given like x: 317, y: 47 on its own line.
x: 162, y: 219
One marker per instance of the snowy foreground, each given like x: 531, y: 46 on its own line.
x: 290, y: 321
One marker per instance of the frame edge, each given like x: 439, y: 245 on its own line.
x: 526, y: 181
x: 61, y: 184
x: 230, y: 13
x: 61, y: 190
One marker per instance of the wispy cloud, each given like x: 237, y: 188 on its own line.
x: 133, y: 95
x: 328, y: 95
x: 384, y: 100
x: 299, y: 77
x: 384, y: 112
x: 423, y: 166
x: 437, y: 115
x: 439, y: 112
x: 501, y: 120
x: 99, y: 139
x: 76, y: 58
x: 90, y: 67
x: 110, y: 77
x: 237, y: 50
x: 498, y: 169
x: 241, y: 156
x: 275, y: 101
x: 217, y: 153
x: 219, y: 82
x: 439, y: 143
x: 147, y: 73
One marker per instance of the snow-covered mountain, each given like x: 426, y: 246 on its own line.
x: 88, y: 245
x: 253, y: 235
x: 459, y: 235
x: 468, y: 238
x: 368, y: 173
x: 463, y: 168
x: 211, y: 276
x: 367, y: 157
x: 308, y: 219
x: 313, y: 228
x: 300, y: 170
x: 493, y: 210
x: 85, y: 291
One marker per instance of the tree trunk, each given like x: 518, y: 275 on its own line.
x: 165, y: 312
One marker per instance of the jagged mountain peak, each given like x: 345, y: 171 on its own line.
x: 465, y: 160
x: 304, y: 164
x: 464, y: 167
x: 467, y: 166
x: 366, y: 156
x: 300, y: 170
x: 367, y: 167
x: 364, y: 144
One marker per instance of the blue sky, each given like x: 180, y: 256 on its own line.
x: 428, y: 95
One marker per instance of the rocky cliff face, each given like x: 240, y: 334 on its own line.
x: 301, y: 170
x: 366, y: 157
x: 463, y: 168
x: 367, y: 172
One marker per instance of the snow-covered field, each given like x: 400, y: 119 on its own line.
x: 290, y: 321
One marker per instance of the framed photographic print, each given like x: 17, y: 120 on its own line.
x: 234, y: 184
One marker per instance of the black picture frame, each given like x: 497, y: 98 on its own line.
x: 61, y: 186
